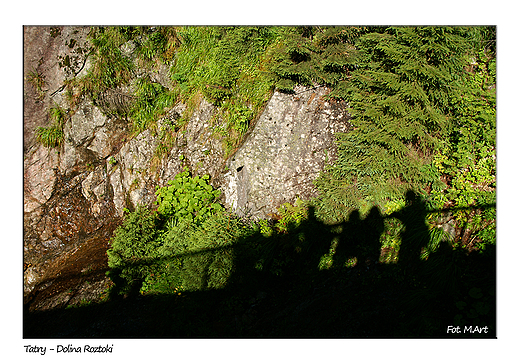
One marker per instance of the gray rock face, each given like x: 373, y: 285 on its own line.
x: 130, y: 177
x: 80, y: 129
x: 291, y: 143
x: 39, y: 177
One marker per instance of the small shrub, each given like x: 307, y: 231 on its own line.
x: 197, y: 257
x: 187, y: 198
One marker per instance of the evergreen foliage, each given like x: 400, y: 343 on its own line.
x: 310, y: 55
x: 399, y: 95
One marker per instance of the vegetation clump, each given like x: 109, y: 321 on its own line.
x: 37, y: 80
x: 161, y: 250
x: 52, y: 136
x: 226, y: 65
x: 229, y: 67
x: 422, y: 101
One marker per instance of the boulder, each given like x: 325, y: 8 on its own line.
x: 289, y: 146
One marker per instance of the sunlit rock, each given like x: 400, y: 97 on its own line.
x: 289, y: 146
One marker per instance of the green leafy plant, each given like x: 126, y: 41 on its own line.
x: 187, y: 198
x: 467, y: 160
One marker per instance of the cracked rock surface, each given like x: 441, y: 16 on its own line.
x: 289, y: 146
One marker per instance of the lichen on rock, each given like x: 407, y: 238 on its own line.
x: 291, y: 143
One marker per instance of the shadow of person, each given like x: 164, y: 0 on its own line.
x: 415, y: 235
x: 349, y: 241
x: 268, y: 260
x: 313, y: 239
x: 360, y: 239
x: 372, y: 228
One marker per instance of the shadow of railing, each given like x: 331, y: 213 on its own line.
x: 275, y: 288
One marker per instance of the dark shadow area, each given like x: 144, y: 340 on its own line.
x: 280, y: 288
